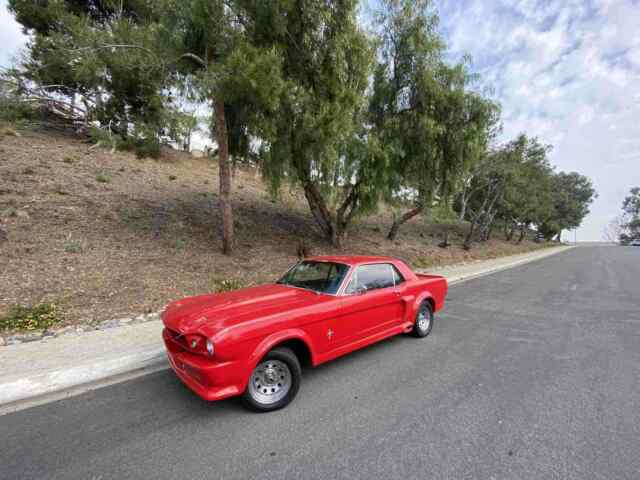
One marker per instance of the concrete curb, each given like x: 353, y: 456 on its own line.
x: 18, y: 392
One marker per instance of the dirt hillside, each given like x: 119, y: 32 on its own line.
x: 106, y: 235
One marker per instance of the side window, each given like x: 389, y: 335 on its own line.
x: 372, y: 277
x: 397, y: 276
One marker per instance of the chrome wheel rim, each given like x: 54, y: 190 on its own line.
x: 424, y: 319
x: 270, y: 382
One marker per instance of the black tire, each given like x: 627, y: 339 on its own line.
x: 271, y: 370
x: 422, y: 329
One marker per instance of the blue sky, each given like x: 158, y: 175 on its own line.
x: 566, y: 71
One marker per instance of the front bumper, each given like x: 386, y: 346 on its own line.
x: 209, y: 379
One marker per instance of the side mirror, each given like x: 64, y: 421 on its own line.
x: 361, y: 290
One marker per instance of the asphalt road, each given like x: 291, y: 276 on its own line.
x: 532, y: 373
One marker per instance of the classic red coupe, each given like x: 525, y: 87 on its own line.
x: 251, y: 342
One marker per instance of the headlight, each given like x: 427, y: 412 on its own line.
x: 210, y: 348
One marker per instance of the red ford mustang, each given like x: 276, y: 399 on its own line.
x: 251, y: 342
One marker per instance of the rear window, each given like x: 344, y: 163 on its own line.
x: 374, y: 277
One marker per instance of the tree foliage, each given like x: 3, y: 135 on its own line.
x: 317, y: 138
x: 433, y: 125
x: 571, y: 195
x: 353, y: 117
x: 630, y: 225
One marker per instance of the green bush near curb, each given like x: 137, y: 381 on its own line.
x: 38, y: 317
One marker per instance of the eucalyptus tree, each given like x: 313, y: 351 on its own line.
x: 405, y: 90
x: 528, y: 194
x: 209, y: 38
x: 485, y: 189
x: 96, y: 53
x: 317, y: 138
x: 631, y: 215
x: 571, y: 195
x: 433, y: 125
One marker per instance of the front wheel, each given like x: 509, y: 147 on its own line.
x: 274, y: 382
x: 424, y: 320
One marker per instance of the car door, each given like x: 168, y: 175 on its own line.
x: 371, y: 302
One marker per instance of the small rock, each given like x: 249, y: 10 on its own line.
x: 24, y: 338
x: 109, y: 324
x: 140, y: 318
x: 62, y: 331
x: 3, y: 342
x: 153, y: 316
x: 23, y: 214
x: 125, y: 321
x: 14, y: 342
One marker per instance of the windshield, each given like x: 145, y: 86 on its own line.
x: 321, y: 277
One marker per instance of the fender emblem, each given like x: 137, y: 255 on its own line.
x: 330, y: 334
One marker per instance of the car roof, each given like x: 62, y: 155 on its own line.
x: 351, y: 259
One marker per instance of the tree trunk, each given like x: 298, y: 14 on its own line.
x: 510, y: 232
x: 469, y: 238
x: 489, y: 231
x: 393, y: 231
x: 321, y: 213
x: 225, y: 178
x: 523, y: 228
x: 463, y: 209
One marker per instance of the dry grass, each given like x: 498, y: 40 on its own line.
x: 150, y: 233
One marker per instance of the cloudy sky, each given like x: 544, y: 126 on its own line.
x: 566, y: 71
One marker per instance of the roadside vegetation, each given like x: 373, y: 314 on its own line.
x: 625, y: 228
x: 38, y: 317
x: 330, y: 136
x: 111, y: 250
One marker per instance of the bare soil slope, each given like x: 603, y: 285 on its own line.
x: 108, y: 235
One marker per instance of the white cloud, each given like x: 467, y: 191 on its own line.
x: 567, y: 72
x: 11, y: 37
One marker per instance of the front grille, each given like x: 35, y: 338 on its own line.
x: 177, y: 338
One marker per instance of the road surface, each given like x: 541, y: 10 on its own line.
x: 531, y: 373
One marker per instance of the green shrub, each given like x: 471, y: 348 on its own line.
x: 13, y: 110
x: 142, y: 147
x: 73, y: 246
x: 102, y: 178
x: 136, y: 218
x: 38, y: 317
x: 227, y: 284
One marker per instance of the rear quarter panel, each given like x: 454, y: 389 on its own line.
x: 424, y: 287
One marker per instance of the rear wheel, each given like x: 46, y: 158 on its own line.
x: 424, y: 320
x: 274, y: 382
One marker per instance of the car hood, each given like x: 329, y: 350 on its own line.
x: 208, y: 314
